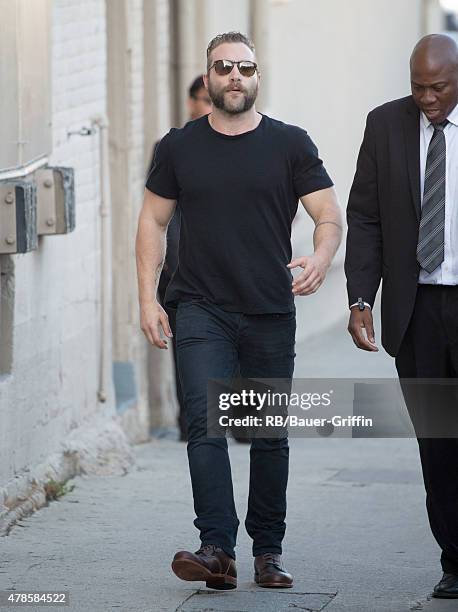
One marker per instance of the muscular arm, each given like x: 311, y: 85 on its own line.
x: 324, y: 209
x: 150, y: 247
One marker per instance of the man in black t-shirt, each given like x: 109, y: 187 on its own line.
x: 236, y: 176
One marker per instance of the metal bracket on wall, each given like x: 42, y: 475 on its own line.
x: 18, y: 217
x: 56, y: 200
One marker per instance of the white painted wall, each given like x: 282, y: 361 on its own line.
x: 53, y: 385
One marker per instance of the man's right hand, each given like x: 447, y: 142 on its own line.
x: 362, y: 320
x: 153, y: 318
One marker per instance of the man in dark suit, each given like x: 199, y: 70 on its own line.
x: 403, y: 228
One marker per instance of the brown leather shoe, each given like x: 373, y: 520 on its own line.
x: 270, y: 572
x: 210, y: 564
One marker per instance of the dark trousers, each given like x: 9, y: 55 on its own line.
x: 213, y: 343
x: 430, y: 350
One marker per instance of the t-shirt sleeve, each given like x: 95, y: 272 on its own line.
x: 309, y: 174
x: 161, y: 178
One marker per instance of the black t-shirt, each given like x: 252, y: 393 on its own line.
x: 173, y: 238
x: 237, y: 196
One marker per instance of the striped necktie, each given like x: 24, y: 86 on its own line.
x: 430, y: 248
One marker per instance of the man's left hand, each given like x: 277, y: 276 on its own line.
x: 308, y: 281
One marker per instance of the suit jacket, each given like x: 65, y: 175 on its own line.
x: 383, y: 217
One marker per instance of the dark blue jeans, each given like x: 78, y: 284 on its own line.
x: 213, y: 343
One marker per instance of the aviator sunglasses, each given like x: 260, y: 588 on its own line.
x: 225, y: 66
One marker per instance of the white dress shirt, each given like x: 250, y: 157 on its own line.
x: 447, y: 272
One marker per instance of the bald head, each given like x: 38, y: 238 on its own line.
x: 434, y: 76
x: 435, y: 50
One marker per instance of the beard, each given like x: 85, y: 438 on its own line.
x: 241, y: 104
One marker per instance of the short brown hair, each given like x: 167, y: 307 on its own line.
x: 228, y: 37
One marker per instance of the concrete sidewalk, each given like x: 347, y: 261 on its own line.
x: 357, y: 537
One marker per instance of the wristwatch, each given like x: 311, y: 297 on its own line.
x: 361, y: 304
